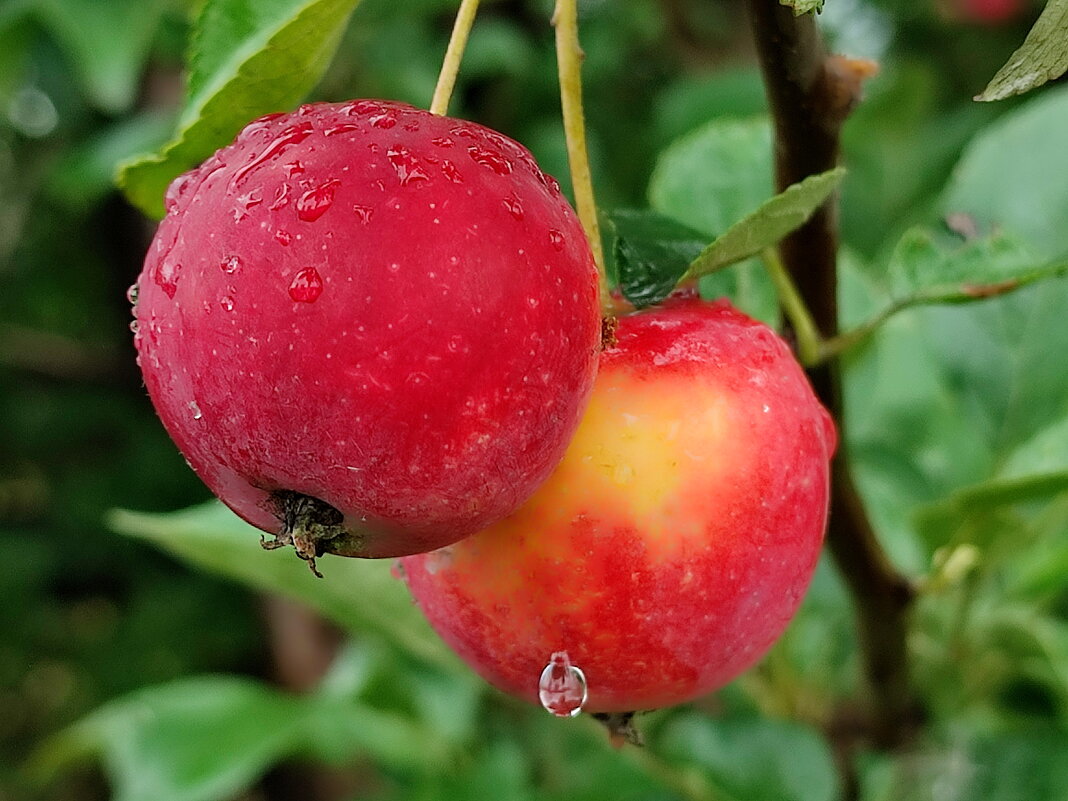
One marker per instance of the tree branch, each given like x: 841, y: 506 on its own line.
x: 810, y: 94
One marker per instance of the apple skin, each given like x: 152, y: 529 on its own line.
x: 674, y: 542
x: 392, y: 312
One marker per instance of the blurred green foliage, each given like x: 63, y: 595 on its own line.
x: 150, y: 656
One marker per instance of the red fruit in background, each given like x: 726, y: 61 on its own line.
x: 990, y: 12
x: 369, y: 329
x: 674, y: 542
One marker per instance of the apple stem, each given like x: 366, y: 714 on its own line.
x: 809, y: 342
x: 454, y: 53
x: 569, y: 58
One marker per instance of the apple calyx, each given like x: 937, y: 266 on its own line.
x: 312, y: 526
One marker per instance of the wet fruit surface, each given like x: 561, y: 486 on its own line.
x: 674, y: 542
x: 387, y: 311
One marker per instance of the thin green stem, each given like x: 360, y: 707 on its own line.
x: 569, y: 57
x: 809, y: 343
x: 450, y: 66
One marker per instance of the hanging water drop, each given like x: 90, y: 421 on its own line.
x: 195, y: 410
x: 562, y: 687
x: 230, y: 265
x: 132, y: 292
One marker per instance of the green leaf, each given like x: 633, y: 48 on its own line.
x: 198, y: 739
x: 1021, y: 765
x: 803, y: 6
x: 1042, y: 57
x: 247, y: 59
x: 1009, y: 176
x: 716, y: 175
x: 754, y: 757
x: 111, y: 72
x: 651, y: 253
x: 926, y: 269
x: 359, y: 594
x: 767, y: 225
x: 710, y: 179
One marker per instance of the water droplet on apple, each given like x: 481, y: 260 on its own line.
x: 227, y: 303
x: 281, y: 198
x: 490, y: 159
x: 290, y: 136
x: 176, y: 190
x: 442, y: 141
x: 562, y: 687
x: 283, y: 237
x: 134, y: 326
x: 387, y: 119
x: 363, y: 212
x: 361, y: 107
x: 166, y: 276
x: 132, y: 292
x: 230, y: 265
x: 314, y: 203
x: 195, y: 410
x: 449, y: 170
x: 307, y: 286
x: 340, y: 128
x: 406, y: 165
x: 514, y: 206
x: 556, y: 239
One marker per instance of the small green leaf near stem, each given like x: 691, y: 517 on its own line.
x: 569, y: 57
x: 454, y: 53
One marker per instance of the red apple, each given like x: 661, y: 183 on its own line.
x: 674, y: 542
x: 369, y: 329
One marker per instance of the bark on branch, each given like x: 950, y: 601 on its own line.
x: 810, y: 94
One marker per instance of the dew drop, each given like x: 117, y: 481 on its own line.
x: 514, y: 206
x: 230, y: 265
x: 283, y: 237
x: 307, y: 286
x: 361, y: 107
x: 195, y: 410
x: 406, y: 165
x: 134, y: 326
x: 176, y: 190
x: 490, y: 159
x: 562, y: 687
x: 340, y: 128
x: 290, y: 136
x: 387, y: 119
x: 227, y: 303
x: 449, y: 170
x: 245, y: 202
x: 293, y: 168
x: 442, y: 141
x: 166, y: 276
x: 281, y: 198
x: 363, y: 213
x: 314, y: 203
x: 132, y: 292
x: 556, y: 239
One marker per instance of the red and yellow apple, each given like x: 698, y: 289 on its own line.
x: 674, y: 542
